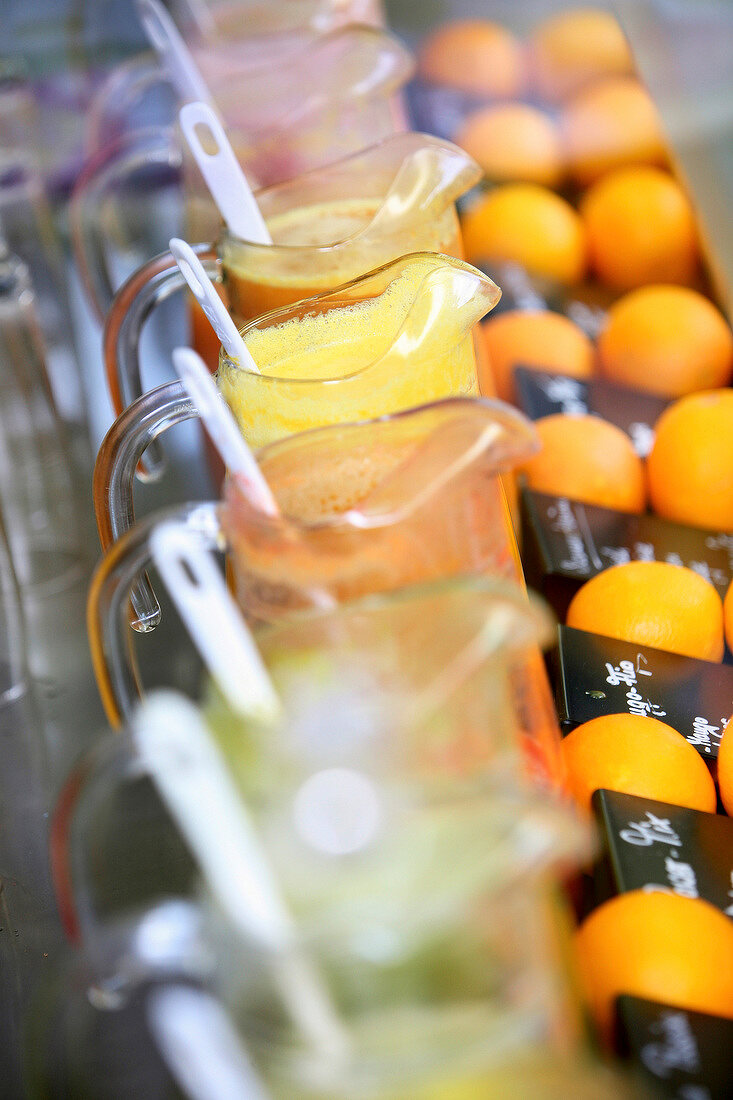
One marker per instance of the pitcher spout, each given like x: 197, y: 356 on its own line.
x: 449, y: 297
x: 427, y: 175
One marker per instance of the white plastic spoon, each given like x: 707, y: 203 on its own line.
x: 223, y: 175
x: 173, y: 52
x: 186, y: 765
x: 216, y: 312
x: 213, y: 620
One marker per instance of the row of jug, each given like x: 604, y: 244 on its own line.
x: 319, y: 98
x: 414, y: 864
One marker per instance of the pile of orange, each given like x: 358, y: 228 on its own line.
x: 626, y: 228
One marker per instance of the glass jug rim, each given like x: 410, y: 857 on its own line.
x: 438, y: 262
x: 507, y: 418
x: 411, y: 142
x: 532, y: 610
x: 389, y: 83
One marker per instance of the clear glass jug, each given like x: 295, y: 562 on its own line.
x: 225, y: 40
x: 420, y: 686
x: 169, y: 1010
x: 365, y: 507
x: 382, y: 561
x: 329, y: 226
x: 397, y: 336
x: 328, y: 97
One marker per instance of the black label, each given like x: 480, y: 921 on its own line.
x: 688, y: 1055
x: 565, y: 543
x: 541, y: 393
x: 650, y: 845
x: 595, y: 675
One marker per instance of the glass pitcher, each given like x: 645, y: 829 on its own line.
x: 365, y: 507
x: 205, y: 19
x: 425, y: 911
x: 156, y: 981
x: 327, y: 98
x: 418, y: 683
x: 329, y: 226
x: 225, y: 40
x: 397, y: 336
x: 382, y: 561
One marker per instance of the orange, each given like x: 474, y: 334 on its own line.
x: 653, y: 603
x: 476, y: 56
x: 528, y: 225
x: 574, y: 47
x: 691, y: 461
x: 658, y: 946
x: 728, y: 617
x: 640, y: 229
x: 586, y: 458
x: 542, y: 339
x: 512, y: 141
x: 667, y: 340
x: 608, y: 125
x: 725, y: 764
x: 637, y: 755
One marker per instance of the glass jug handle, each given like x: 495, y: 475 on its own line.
x: 150, y: 285
x: 114, y: 476
x: 112, y: 648
x: 105, y: 172
x: 101, y: 774
x: 109, y: 764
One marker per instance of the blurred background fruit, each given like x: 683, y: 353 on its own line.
x: 653, y: 603
x: 514, y: 142
x: 611, y: 124
x: 690, y: 464
x: 667, y: 340
x: 476, y: 56
x: 574, y: 47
